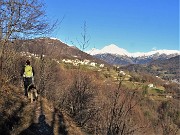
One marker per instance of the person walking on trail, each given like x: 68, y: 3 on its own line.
x: 28, y: 76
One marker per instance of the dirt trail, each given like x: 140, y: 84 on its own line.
x: 40, y: 118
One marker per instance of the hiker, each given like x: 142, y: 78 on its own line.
x: 28, y: 76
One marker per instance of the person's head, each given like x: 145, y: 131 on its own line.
x: 27, y: 62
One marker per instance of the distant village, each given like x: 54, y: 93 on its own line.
x: 74, y: 62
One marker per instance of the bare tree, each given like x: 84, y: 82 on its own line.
x: 120, y: 116
x: 80, y: 100
x: 85, y: 38
x: 84, y: 42
x: 167, y: 117
x: 18, y: 19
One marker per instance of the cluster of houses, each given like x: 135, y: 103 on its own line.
x: 28, y: 54
x: 76, y: 62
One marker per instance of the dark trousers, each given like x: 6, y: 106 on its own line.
x: 27, y: 82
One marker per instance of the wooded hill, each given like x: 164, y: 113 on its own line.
x: 166, y: 69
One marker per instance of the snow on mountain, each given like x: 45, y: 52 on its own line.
x: 54, y: 38
x: 113, y: 49
x: 158, y: 52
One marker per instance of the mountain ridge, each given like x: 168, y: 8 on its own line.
x: 114, y: 55
x: 114, y: 49
x: 166, y: 69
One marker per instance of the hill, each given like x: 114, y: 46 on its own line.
x: 167, y: 69
x: 53, y: 48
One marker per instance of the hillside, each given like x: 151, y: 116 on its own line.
x: 25, y: 118
x: 53, y: 48
x: 166, y: 69
x: 83, y: 98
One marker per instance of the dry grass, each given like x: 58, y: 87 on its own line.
x: 72, y: 127
x: 12, y: 102
x: 17, y: 115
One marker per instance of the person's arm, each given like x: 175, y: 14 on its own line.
x: 33, y: 71
x: 22, y: 71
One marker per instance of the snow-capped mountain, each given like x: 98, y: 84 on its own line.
x: 115, y: 55
x: 113, y: 49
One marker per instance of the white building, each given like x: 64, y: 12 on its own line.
x: 101, y: 65
x: 122, y: 73
x: 67, y: 61
x: 151, y: 85
x: 93, y: 64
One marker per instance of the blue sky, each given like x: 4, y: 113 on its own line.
x: 135, y: 25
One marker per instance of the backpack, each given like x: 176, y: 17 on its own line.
x: 28, y: 71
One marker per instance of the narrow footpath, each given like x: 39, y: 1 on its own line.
x: 41, y: 118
